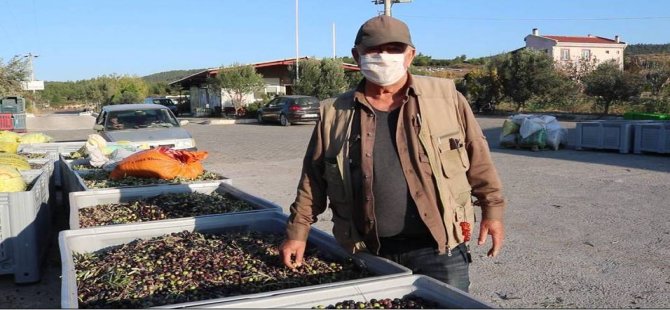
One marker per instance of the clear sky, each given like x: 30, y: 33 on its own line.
x: 82, y: 39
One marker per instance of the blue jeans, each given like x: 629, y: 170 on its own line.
x: 453, y: 270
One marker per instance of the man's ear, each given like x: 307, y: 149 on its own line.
x: 410, y: 57
x: 354, y: 53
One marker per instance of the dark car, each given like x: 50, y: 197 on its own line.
x: 164, y: 102
x: 290, y: 109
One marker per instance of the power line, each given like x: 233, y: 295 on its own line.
x: 539, y: 19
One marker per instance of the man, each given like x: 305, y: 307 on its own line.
x: 399, y: 158
x: 114, y: 123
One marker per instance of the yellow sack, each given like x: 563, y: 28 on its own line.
x: 36, y: 137
x: 509, y: 127
x: 11, y: 180
x: 9, y: 136
x: 8, y: 147
x: 13, y: 160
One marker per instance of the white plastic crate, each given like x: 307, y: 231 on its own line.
x: 446, y: 296
x: 607, y: 135
x: 72, y: 182
x: 81, y: 200
x: 55, y: 147
x: 652, y: 137
x: 25, y: 219
x: 93, y: 239
x: 49, y: 166
x: 53, y: 150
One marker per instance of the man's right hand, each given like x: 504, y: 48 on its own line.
x: 292, y: 252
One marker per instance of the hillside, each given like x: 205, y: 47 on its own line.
x: 169, y: 76
x: 643, y: 49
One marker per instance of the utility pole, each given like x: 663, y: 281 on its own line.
x: 334, y: 41
x: 388, y: 3
x: 297, y: 52
x: 30, y: 57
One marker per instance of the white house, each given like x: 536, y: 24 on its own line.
x: 572, y: 49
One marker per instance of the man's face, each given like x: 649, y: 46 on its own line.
x: 389, y: 48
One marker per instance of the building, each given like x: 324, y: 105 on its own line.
x: 567, y: 50
x: 278, y: 76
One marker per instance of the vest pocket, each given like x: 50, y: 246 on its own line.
x: 335, y: 185
x: 454, y: 161
x: 463, y: 213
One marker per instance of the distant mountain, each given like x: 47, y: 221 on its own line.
x: 169, y: 76
x: 642, y: 49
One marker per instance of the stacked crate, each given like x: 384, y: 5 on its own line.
x: 25, y: 221
x: 652, y: 137
x: 266, y: 218
x: 624, y: 136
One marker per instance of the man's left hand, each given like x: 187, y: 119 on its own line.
x: 496, y: 229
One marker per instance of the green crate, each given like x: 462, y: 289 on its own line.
x: 646, y: 116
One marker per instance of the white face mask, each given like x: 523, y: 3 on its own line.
x: 383, y: 69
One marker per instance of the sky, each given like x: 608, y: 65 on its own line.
x: 83, y: 39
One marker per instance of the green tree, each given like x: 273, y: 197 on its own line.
x: 310, y: 76
x: 421, y: 60
x: 657, y: 76
x: 526, y: 73
x: 353, y: 78
x: 11, y: 76
x: 608, y: 84
x: 237, y: 81
x: 321, y: 78
x: 482, y: 88
x: 129, y: 90
x: 332, y: 81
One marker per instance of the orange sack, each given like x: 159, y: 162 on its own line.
x: 161, y: 163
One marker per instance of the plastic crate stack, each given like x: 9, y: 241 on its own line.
x: 25, y: 222
x: 265, y: 218
x: 623, y: 136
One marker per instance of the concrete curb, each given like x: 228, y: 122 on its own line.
x: 222, y: 121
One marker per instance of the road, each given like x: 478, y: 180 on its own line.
x: 585, y: 229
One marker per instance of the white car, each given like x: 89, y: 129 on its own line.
x: 143, y: 124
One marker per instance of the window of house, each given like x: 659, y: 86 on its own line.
x: 586, y: 54
x: 565, y: 54
x: 607, y: 52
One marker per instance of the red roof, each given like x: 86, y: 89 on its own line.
x: 600, y: 40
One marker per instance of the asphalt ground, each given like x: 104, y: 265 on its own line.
x: 584, y: 229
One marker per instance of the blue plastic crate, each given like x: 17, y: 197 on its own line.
x: 652, y: 137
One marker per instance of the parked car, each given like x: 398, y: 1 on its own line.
x: 169, y: 103
x: 290, y: 109
x: 150, y: 124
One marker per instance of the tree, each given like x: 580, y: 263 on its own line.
x: 526, y: 73
x: 237, y: 81
x: 310, y: 76
x: 129, y: 90
x: 577, y: 70
x: 11, y: 76
x: 332, y: 81
x: 657, y: 76
x: 609, y: 84
x: 321, y: 78
x: 421, y: 60
x: 482, y: 88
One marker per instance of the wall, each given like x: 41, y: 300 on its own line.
x: 602, y: 52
